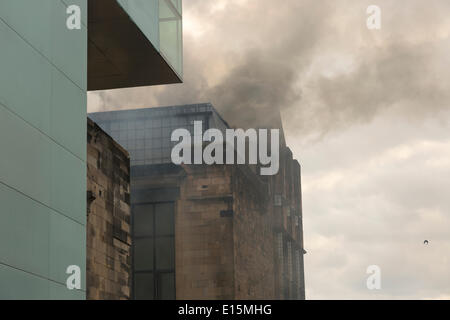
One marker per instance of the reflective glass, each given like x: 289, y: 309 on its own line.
x: 170, y: 33
x: 144, y: 288
x: 166, y: 288
x: 143, y: 254
x: 143, y: 220
x: 165, y: 223
x: 165, y: 254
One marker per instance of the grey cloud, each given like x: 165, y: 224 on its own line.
x: 401, y: 75
x: 264, y: 50
x: 379, y: 212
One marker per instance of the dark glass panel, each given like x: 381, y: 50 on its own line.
x: 165, y: 253
x: 165, y: 222
x: 144, y: 286
x: 166, y: 286
x: 143, y: 254
x: 143, y: 220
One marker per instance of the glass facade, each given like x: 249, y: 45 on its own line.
x: 43, y: 141
x: 161, y: 22
x: 146, y: 133
x: 170, y: 32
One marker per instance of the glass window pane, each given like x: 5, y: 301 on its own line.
x: 166, y: 286
x: 144, y: 286
x: 165, y: 10
x: 165, y: 253
x: 143, y: 220
x: 165, y: 223
x: 177, y: 5
x: 143, y: 254
x: 170, y: 33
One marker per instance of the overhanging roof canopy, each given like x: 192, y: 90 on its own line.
x: 119, y: 53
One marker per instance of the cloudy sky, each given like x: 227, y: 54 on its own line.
x: 366, y: 112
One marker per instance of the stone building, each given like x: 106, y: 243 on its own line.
x: 108, y: 264
x: 207, y: 232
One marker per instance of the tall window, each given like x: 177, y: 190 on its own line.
x: 154, y: 251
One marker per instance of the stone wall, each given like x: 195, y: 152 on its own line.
x: 230, y: 232
x: 204, y: 235
x: 288, y: 228
x: 108, y: 217
x: 253, y: 237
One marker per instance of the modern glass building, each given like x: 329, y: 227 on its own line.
x: 146, y: 133
x: 46, y: 71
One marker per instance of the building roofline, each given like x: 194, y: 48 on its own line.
x: 172, y: 107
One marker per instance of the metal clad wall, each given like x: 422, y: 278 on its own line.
x: 43, y: 149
